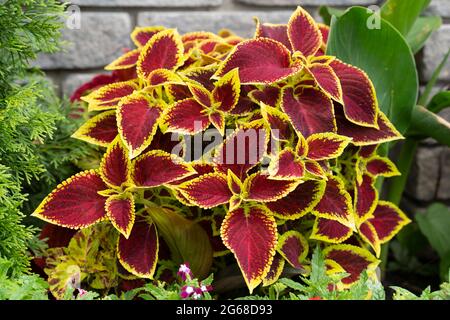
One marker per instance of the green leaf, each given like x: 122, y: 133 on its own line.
x: 435, y: 225
x: 386, y: 57
x: 440, y: 101
x: 425, y: 123
x: 421, y: 31
x: 434, y: 78
x: 187, y: 240
x: 327, y: 12
x: 444, y: 267
x: 403, y: 14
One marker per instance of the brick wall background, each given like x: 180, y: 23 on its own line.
x: 106, y: 25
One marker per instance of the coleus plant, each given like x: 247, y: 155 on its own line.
x: 296, y: 165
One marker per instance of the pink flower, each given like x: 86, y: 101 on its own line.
x: 184, y: 271
x: 187, y: 291
x: 81, y: 292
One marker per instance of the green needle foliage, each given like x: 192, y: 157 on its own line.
x: 35, y: 129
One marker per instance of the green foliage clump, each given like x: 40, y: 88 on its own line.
x: 442, y: 294
x: 23, y: 287
x: 319, y: 285
x: 35, y: 129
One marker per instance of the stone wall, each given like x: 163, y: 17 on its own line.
x: 106, y: 25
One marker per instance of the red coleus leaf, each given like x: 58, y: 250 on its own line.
x: 286, y: 166
x: 160, y: 77
x: 335, y: 203
x: 125, y: 61
x: 293, y: 247
x: 251, y: 234
x: 363, y: 136
x: 275, y: 271
x: 115, y: 165
x: 259, y: 60
x: 157, y: 167
x: 367, y: 151
x: 277, y: 32
x: 198, y: 36
x: 139, y: 253
x: 381, y: 166
x: 314, y: 168
x: 99, y: 130
x: 141, y: 35
x: 234, y: 183
x: 259, y: 187
x: 178, y: 92
x: 322, y: 146
x: 299, y: 202
x: 207, y: 191
x: 327, y: 80
x: 325, y: 31
x: 310, y: 111
x: 137, y: 119
x: 186, y: 117
x: 202, y: 95
x: 202, y: 75
x: 217, y: 119
x: 227, y: 90
x: 269, y: 95
x: 108, y: 96
x: 369, y: 235
x: 330, y: 231
x: 366, y: 197
x: 242, y: 150
x: 75, y: 203
x: 303, y: 33
x: 163, y: 50
x: 388, y: 220
x: 360, y: 100
x: 352, y: 259
x: 278, y: 122
x: 120, y: 211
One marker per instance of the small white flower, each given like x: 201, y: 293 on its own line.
x: 189, y: 290
x: 196, y: 296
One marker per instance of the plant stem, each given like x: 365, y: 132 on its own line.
x: 397, y: 187
x: 404, y: 163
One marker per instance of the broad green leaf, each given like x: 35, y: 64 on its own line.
x: 444, y: 267
x: 386, y: 57
x: 435, y: 225
x: 440, y: 101
x: 421, y: 31
x: 327, y: 12
x: 425, y: 123
x: 402, y: 14
x: 434, y: 78
x: 187, y: 241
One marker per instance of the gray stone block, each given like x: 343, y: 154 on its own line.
x: 440, y: 8
x: 308, y: 2
x: 435, y: 49
x: 73, y: 81
x: 444, y: 182
x: 100, y: 40
x: 148, y: 3
x: 240, y: 22
x: 424, y: 175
